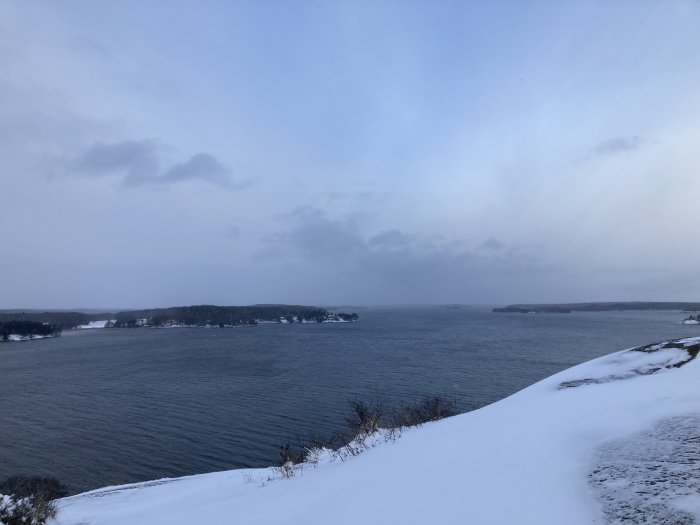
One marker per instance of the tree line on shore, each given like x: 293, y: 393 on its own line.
x: 27, y: 329
x: 199, y: 315
x: 598, y: 307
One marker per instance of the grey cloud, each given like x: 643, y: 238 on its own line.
x: 135, y: 159
x: 618, y: 145
x: 400, y: 264
x: 312, y: 234
x: 492, y: 244
x: 139, y: 163
x: 390, y: 240
x: 201, y: 166
x: 316, y: 235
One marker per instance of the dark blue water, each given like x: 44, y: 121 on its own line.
x: 101, y: 407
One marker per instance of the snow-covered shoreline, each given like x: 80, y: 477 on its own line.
x: 17, y: 337
x: 556, y: 452
x: 93, y: 325
x: 145, y: 323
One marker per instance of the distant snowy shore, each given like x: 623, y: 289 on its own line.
x: 17, y: 337
x: 194, y: 316
x: 97, y: 324
x: 610, y: 441
x: 693, y: 319
x: 170, y: 323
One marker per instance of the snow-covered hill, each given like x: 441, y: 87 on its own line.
x: 615, y: 440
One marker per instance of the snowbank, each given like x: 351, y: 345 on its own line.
x: 612, y: 440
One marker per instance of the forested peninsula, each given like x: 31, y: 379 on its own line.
x: 178, y: 316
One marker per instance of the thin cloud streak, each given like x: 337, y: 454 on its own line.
x: 618, y: 145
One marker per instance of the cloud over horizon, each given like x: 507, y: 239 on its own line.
x: 393, y: 152
x: 399, y: 262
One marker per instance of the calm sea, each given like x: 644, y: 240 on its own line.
x: 102, y: 407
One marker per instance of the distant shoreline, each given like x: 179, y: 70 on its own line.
x: 598, y: 307
x: 14, y: 338
x: 211, y: 316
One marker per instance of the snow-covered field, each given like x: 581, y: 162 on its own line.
x: 615, y: 440
x: 95, y: 324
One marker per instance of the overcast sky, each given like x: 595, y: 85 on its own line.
x: 167, y: 153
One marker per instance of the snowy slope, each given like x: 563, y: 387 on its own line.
x: 611, y: 440
x: 95, y: 324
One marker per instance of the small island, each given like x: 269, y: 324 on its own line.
x: 533, y: 310
x: 692, y: 319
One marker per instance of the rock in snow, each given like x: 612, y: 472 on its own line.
x: 614, y: 440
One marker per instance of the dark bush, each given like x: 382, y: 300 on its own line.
x: 430, y: 408
x: 292, y: 455
x: 32, y: 510
x: 29, y: 501
x: 26, y: 511
x: 24, y: 487
x: 364, y: 418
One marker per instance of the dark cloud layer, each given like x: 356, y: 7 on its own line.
x: 130, y: 158
x: 314, y: 235
x: 138, y: 163
x: 404, y: 265
x: 202, y: 166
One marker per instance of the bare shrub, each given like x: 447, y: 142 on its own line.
x: 286, y: 461
x: 315, y: 454
x: 23, y: 487
x: 289, y: 457
x: 367, y: 425
x: 364, y: 418
x: 30, y: 500
x: 430, y: 408
x: 31, y: 510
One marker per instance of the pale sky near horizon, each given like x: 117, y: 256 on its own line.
x: 338, y: 152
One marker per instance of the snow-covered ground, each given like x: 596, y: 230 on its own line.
x: 615, y: 440
x: 95, y: 324
x: 17, y: 337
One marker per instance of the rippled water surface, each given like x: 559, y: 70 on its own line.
x: 101, y: 407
